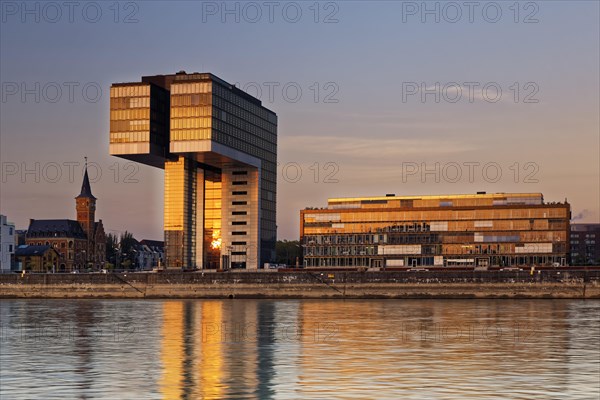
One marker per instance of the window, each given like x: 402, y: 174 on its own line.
x: 10, y: 248
x: 238, y: 243
x: 239, y: 193
x: 238, y: 233
x: 239, y: 213
x: 240, y: 173
x: 239, y: 183
x: 239, y: 203
x: 239, y: 223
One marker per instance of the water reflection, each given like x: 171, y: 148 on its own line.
x: 264, y: 349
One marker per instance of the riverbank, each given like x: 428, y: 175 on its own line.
x: 575, y: 284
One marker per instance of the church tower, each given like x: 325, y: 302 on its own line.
x: 85, y: 204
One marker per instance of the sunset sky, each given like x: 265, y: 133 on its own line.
x: 361, y: 129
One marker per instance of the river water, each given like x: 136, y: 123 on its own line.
x: 292, y: 349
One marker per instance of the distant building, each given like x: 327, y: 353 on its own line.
x: 20, y: 235
x: 585, y: 244
x: 149, y: 254
x: 7, y: 243
x: 80, y: 243
x: 37, y: 258
x: 478, y: 230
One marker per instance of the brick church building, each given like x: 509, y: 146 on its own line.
x: 81, y: 244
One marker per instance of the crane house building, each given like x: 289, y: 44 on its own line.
x: 474, y: 230
x: 217, y: 146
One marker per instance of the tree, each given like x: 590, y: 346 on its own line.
x: 111, y: 247
x: 127, y: 242
x: 287, y: 251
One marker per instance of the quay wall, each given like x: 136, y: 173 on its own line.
x: 582, y: 284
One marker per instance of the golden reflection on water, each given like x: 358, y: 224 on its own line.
x: 172, y: 350
x: 209, y: 365
x: 384, y: 349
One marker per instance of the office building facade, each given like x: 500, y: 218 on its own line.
x: 218, y: 147
x: 480, y: 230
x: 585, y: 244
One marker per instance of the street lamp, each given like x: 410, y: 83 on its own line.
x: 229, y: 248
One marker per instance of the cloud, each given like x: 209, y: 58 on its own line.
x: 372, y: 148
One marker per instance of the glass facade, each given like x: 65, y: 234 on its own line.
x: 484, y: 230
x: 139, y: 122
x: 246, y: 126
x: 203, y: 131
x: 179, y: 216
x: 213, y: 239
x: 191, y: 111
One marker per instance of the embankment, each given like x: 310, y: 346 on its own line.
x: 581, y: 284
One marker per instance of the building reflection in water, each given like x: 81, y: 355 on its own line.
x: 299, y: 349
x: 216, y: 349
x: 172, y: 350
x: 421, y: 342
x: 267, y: 349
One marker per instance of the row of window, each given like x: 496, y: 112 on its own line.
x: 187, y: 112
x: 129, y: 102
x: 130, y: 125
x: 246, y: 134
x: 191, y: 134
x: 242, y: 145
x: 466, y: 239
x: 129, y: 137
x: 191, y: 87
x: 192, y: 100
x: 246, y: 125
x: 190, y: 123
x: 396, y: 219
x: 229, y: 96
x: 128, y: 91
x: 413, y: 261
x: 137, y: 113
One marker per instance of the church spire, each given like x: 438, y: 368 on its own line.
x: 86, y: 189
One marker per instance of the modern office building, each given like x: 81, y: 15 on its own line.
x: 585, y: 244
x: 218, y: 147
x: 7, y: 244
x: 478, y: 230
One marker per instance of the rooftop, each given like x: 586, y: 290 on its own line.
x: 481, y: 195
x: 46, y: 228
x: 31, y: 250
x: 165, y: 82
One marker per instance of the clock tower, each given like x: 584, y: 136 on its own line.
x: 85, y: 205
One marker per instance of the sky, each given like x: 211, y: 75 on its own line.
x: 409, y: 98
